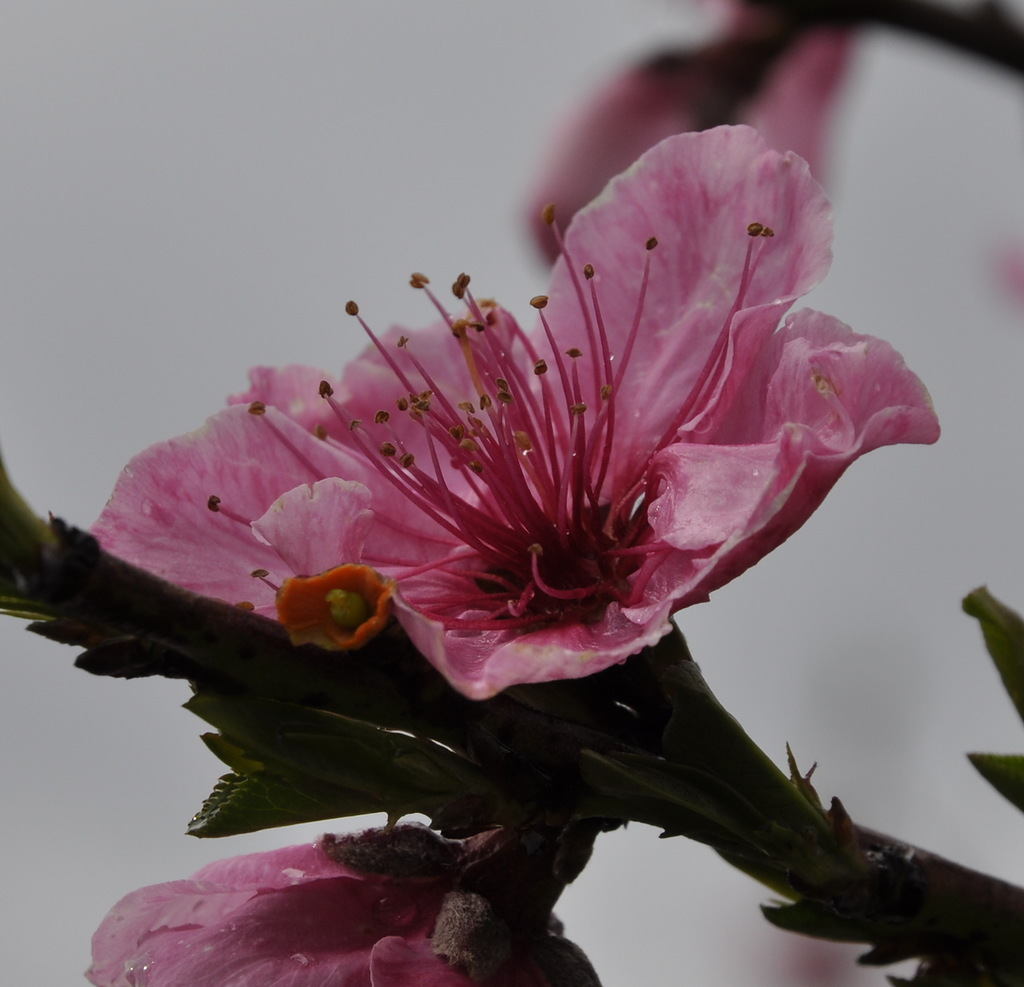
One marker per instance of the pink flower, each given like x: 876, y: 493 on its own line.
x: 741, y: 76
x: 1008, y: 267
x: 547, y: 499
x: 290, y: 918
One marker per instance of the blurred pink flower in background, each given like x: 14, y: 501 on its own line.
x: 546, y: 500
x: 783, y: 84
x: 1008, y: 267
x: 294, y: 917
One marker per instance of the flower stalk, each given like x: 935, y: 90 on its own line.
x: 983, y: 29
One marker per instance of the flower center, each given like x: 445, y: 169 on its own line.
x: 340, y: 609
x: 547, y: 519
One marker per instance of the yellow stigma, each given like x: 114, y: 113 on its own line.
x: 348, y: 609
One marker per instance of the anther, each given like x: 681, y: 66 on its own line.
x: 457, y: 431
x: 257, y: 408
x: 476, y: 466
x: 523, y: 441
x: 354, y: 424
x: 588, y: 271
x: 539, y: 301
x: 547, y: 214
x: 407, y: 460
x: 402, y: 404
x: 485, y: 401
x: 467, y: 406
x: 261, y: 575
x: 325, y: 389
x: 606, y: 392
x: 469, y: 445
x: 502, y: 383
x: 505, y: 397
x: 418, y: 280
x: 245, y: 605
x: 540, y: 367
x: 755, y: 229
x: 320, y: 431
x: 574, y: 353
x: 767, y: 231
x: 535, y: 549
x: 381, y: 417
x: 460, y: 286
x: 652, y: 242
x: 578, y: 409
x: 387, y: 449
x: 213, y: 503
x: 403, y: 341
x: 351, y: 308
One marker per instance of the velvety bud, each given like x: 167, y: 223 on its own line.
x: 410, y: 850
x: 469, y: 935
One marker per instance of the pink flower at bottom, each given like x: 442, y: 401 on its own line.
x: 286, y: 918
x: 546, y: 499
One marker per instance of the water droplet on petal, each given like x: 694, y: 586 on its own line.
x: 136, y: 972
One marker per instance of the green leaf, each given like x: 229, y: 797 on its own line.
x: 1003, y: 630
x: 391, y: 771
x: 703, y: 735
x: 13, y: 605
x: 251, y: 802
x: 681, y: 800
x: 811, y: 919
x: 1005, y: 772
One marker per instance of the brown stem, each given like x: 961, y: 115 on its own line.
x: 943, y: 907
x: 985, y: 30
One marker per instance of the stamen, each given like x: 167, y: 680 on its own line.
x: 261, y: 575
x: 719, y: 358
x: 215, y: 504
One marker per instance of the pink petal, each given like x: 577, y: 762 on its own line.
x: 696, y: 193
x: 483, y: 663
x: 814, y: 398
x: 292, y: 918
x: 314, y: 528
x: 294, y: 390
x: 630, y: 113
x: 158, y: 517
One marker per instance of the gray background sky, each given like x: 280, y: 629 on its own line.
x: 192, y: 187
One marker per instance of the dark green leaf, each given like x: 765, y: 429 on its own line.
x: 13, y: 605
x: 811, y: 919
x: 251, y: 802
x: 684, y: 800
x: 703, y: 735
x: 395, y: 771
x: 1004, y: 637
x: 1005, y: 772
